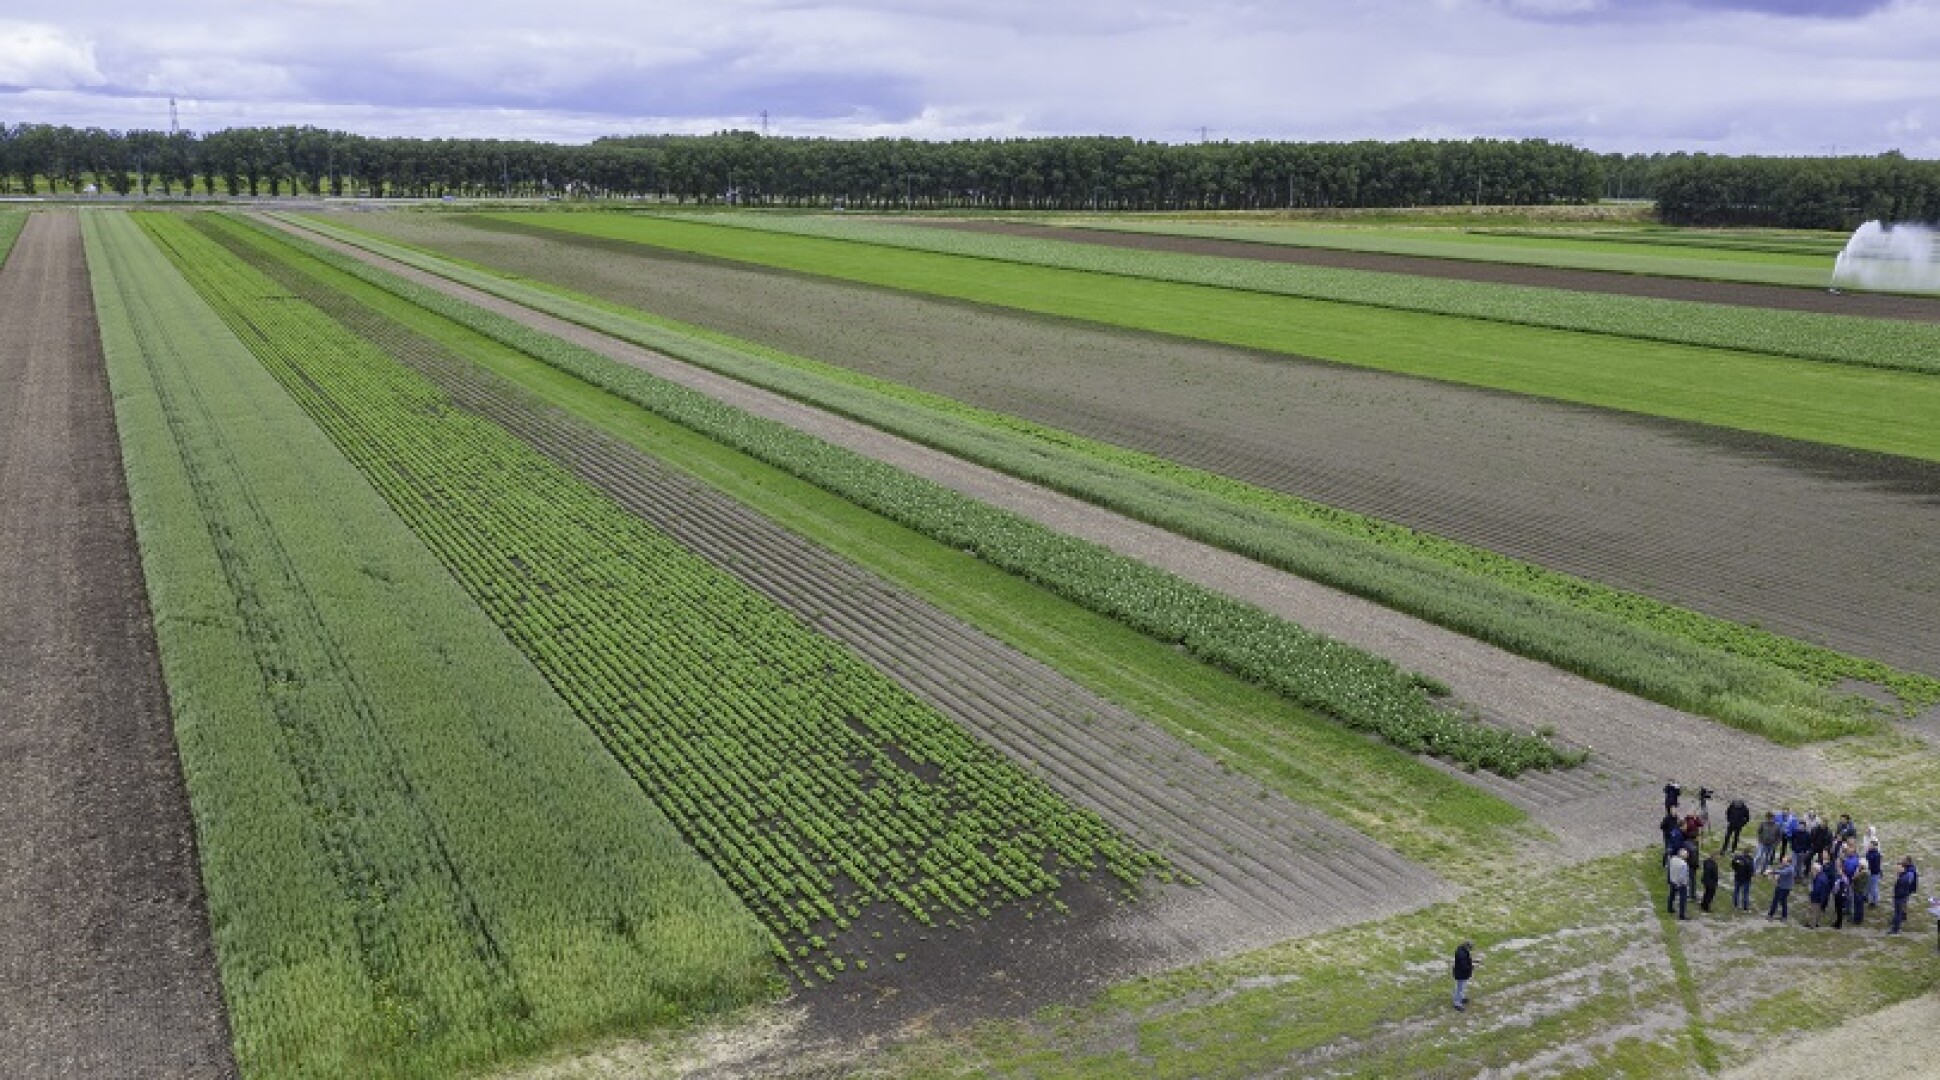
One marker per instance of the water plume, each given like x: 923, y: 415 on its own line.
x: 1890, y: 258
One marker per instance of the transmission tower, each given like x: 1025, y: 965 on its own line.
x: 174, y: 119
x: 764, y: 123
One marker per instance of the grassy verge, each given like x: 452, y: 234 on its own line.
x: 1305, y: 756
x: 1838, y: 404
x: 1646, y: 254
x: 1361, y: 690
x: 1904, y: 346
x: 11, y: 222
x: 416, y: 860
x: 1747, y: 677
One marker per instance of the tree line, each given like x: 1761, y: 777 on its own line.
x: 1068, y: 173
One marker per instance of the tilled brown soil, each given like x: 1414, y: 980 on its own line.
x: 1791, y: 536
x: 1266, y: 869
x: 106, y: 967
x: 1737, y: 294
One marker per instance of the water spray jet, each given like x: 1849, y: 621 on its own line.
x: 1890, y: 258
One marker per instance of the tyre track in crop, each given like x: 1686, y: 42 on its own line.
x: 106, y: 963
x: 1269, y: 869
x: 1786, y: 535
x: 1636, y: 743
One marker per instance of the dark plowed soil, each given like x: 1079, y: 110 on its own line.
x: 1737, y: 294
x: 106, y: 967
x: 1788, y: 535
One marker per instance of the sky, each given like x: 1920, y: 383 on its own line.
x: 1723, y: 76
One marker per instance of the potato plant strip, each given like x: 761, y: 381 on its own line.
x: 819, y: 788
x: 417, y: 861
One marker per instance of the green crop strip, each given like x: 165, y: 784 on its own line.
x: 1358, y: 688
x: 416, y: 860
x: 1839, y: 404
x: 11, y: 222
x: 824, y: 793
x: 1840, y: 339
x: 1748, y: 677
x: 1707, y: 262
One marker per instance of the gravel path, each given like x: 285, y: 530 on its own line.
x: 1592, y: 813
x: 106, y: 967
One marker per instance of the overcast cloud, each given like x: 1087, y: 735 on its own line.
x: 1734, y: 76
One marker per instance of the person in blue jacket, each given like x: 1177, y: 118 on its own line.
x: 1904, y: 887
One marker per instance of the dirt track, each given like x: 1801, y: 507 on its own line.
x: 1788, y: 535
x: 106, y: 967
x: 1737, y: 294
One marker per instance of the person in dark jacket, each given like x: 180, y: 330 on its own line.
x: 1801, y: 838
x: 1671, y: 794
x: 1904, y: 887
x: 1709, y: 879
x: 1841, y: 899
x: 1819, y: 840
x: 1736, y: 817
x: 1781, y: 893
x: 1819, y: 896
x: 1668, y: 826
x: 1875, y: 862
x: 1464, y: 971
x: 1743, y: 869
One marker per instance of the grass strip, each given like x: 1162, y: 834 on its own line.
x: 1840, y: 339
x: 1305, y: 756
x: 1653, y: 883
x: 1839, y: 404
x: 1651, y: 257
x: 823, y: 792
x: 416, y: 860
x: 1745, y: 676
x: 1355, y: 687
x: 11, y: 222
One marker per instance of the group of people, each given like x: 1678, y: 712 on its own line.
x: 1841, y: 871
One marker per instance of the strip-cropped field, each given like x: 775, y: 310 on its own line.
x: 417, y: 860
x: 1904, y: 346
x: 827, y: 796
x: 1426, y: 455
x: 1843, y: 405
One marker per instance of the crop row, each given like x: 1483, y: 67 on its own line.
x: 1353, y: 686
x: 818, y: 787
x: 416, y: 861
x: 1743, y: 675
x: 1839, y: 339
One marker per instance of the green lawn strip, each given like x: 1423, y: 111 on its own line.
x: 1841, y: 339
x: 1659, y: 260
x: 416, y: 860
x: 1363, y: 690
x: 1306, y: 757
x: 1745, y: 676
x: 1840, y: 404
x: 824, y: 793
x: 11, y: 222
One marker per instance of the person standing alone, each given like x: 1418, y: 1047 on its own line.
x: 1742, y: 871
x: 1736, y: 817
x: 1904, y: 887
x: 1464, y: 971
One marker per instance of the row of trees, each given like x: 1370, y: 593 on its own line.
x: 1051, y: 173
x: 1804, y: 193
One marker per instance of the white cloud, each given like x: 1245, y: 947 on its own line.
x: 36, y: 54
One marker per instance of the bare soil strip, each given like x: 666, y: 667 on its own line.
x: 106, y: 967
x: 1596, y: 812
x: 1268, y: 869
x: 1787, y: 535
x: 1737, y: 294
